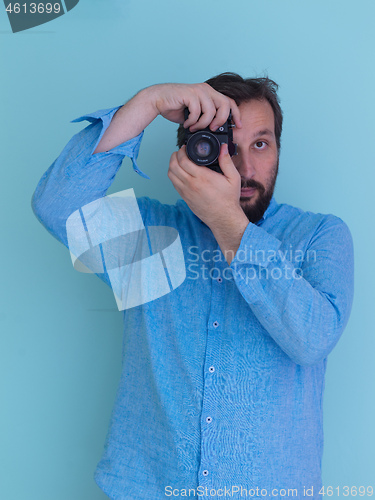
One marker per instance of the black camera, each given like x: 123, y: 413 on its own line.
x: 203, y: 146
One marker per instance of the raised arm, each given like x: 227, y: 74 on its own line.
x: 207, y: 108
x: 88, y: 164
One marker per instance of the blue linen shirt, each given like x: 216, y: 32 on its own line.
x: 223, y: 378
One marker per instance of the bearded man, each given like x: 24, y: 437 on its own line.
x: 222, y: 382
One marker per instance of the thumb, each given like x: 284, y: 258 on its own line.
x: 225, y: 162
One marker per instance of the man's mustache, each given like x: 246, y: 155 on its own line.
x: 253, y: 184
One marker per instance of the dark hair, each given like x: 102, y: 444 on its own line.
x: 243, y: 90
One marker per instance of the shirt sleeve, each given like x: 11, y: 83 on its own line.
x: 304, y: 308
x: 78, y: 177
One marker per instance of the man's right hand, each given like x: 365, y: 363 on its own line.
x: 207, y: 107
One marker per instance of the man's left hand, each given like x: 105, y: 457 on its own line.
x: 213, y: 197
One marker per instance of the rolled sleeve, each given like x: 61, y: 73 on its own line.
x: 77, y: 176
x: 89, y: 138
x: 252, y: 247
x: 303, y: 306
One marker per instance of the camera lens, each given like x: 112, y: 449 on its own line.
x: 203, y: 148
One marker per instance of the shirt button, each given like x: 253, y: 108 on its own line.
x: 205, y: 472
x: 220, y: 280
x: 211, y: 369
x: 216, y: 324
x: 209, y: 420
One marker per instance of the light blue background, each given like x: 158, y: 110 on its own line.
x: 60, y: 330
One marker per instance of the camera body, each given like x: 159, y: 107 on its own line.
x: 203, y: 146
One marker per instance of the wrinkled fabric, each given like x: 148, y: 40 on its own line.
x: 222, y: 381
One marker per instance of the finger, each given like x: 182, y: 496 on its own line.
x: 175, y: 168
x: 222, y: 114
x: 176, y: 181
x: 181, y: 171
x: 186, y: 164
x: 208, y: 113
x: 226, y: 163
x: 194, y: 107
x: 236, y: 115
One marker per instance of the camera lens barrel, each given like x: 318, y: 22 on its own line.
x: 203, y: 148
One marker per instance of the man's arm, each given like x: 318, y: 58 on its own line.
x: 129, y: 121
x: 305, y: 311
x: 305, y: 315
x: 77, y: 176
x: 88, y: 164
x: 207, y: 108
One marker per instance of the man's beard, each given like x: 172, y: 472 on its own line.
x: 254, y: 212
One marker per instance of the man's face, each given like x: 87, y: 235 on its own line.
x: 257, y: 160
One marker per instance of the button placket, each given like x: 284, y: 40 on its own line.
x: 209, y: 407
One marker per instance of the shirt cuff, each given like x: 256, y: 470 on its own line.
x: 257, y: 247
x: 129, y: 148
x: 256, y: 251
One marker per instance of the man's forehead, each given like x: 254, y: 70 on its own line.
x: 263, y: 132
x: 257, y: 117
x: 256, y: 106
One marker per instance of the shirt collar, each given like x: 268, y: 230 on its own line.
x: 269, y: 211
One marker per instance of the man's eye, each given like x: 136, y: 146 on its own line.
x: 260, y: 145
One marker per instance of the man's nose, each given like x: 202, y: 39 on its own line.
x: 246, y: 167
